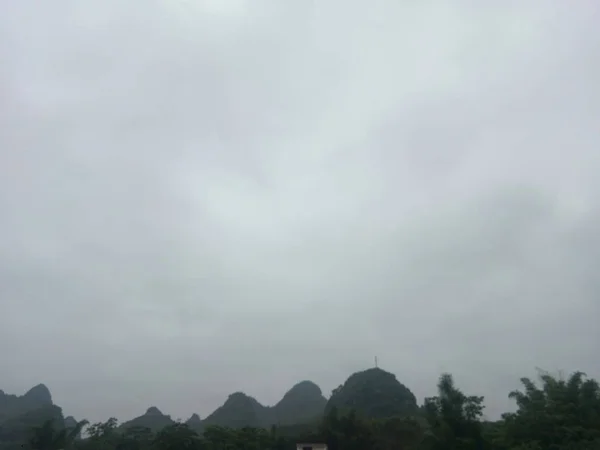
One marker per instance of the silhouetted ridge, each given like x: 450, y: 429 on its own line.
x: 153, y: 411
x: 70, y: 422
x: 303, y: 388
x: 19, y: 414
x: 153, y: 418
x: 39, y: 394
x: 195, y: 423
x: 302, y: 403
x: 238, y: 411
x: 374, y: 393
x: 194, y: 418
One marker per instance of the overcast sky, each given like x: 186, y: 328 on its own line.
x: 202, y: 197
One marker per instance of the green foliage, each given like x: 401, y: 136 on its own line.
x: 453, y: 417
x: 14, y: 430
x: 177, y: 437
x: 52, y: 437
x: 559, y: 414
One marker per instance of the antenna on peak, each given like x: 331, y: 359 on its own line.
x: 376, y: 362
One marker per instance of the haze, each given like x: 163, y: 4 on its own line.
x: 202, y: 198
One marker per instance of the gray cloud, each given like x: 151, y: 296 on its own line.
x: 204, y: 197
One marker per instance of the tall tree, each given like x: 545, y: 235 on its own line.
x: 453, y: 417
x: 51, y: 437
x: 561, y: 414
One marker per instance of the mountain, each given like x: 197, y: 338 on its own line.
x: 153, y: 419
x: 374, y: 393
x: 302, y: 403
x: 195, y: 423
x: 70, y: 422
x: 36, y: 397
x: 239, y: 410
x: 19, y: 414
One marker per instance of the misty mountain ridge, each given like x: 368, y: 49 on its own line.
x: 373, y: 393
x: 37, y: 397
x: 20, y: 413
x: 302, y: 403
x: 194, y: 422
x: 153, y: 419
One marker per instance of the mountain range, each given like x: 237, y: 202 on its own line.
x: 373, y: 392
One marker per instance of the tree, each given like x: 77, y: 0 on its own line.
x: 103, y: 429
x: 136, y: 438
x: 399, y: 433
x: 562, y: 414
x: 217, y: 438
x: 103, y: 435
x: 453, y: 417
x: 50, y: 437
x: 177, y: 437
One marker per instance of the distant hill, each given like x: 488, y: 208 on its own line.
x: 153, y: 419
x: 36, y: 397
x: 302, y: 403
x: 19, y: 414
x: 195, y: 423
x: 239, y: 410
x: 374, y: 393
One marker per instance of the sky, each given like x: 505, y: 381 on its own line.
x: 203, y: 197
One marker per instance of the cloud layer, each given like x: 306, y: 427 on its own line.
x: 205, y: 197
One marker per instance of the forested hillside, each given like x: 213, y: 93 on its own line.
x: 371, y: 410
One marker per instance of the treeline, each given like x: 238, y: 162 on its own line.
x: 553, y: 414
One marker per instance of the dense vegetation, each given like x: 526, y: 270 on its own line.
x: 554, y: 414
